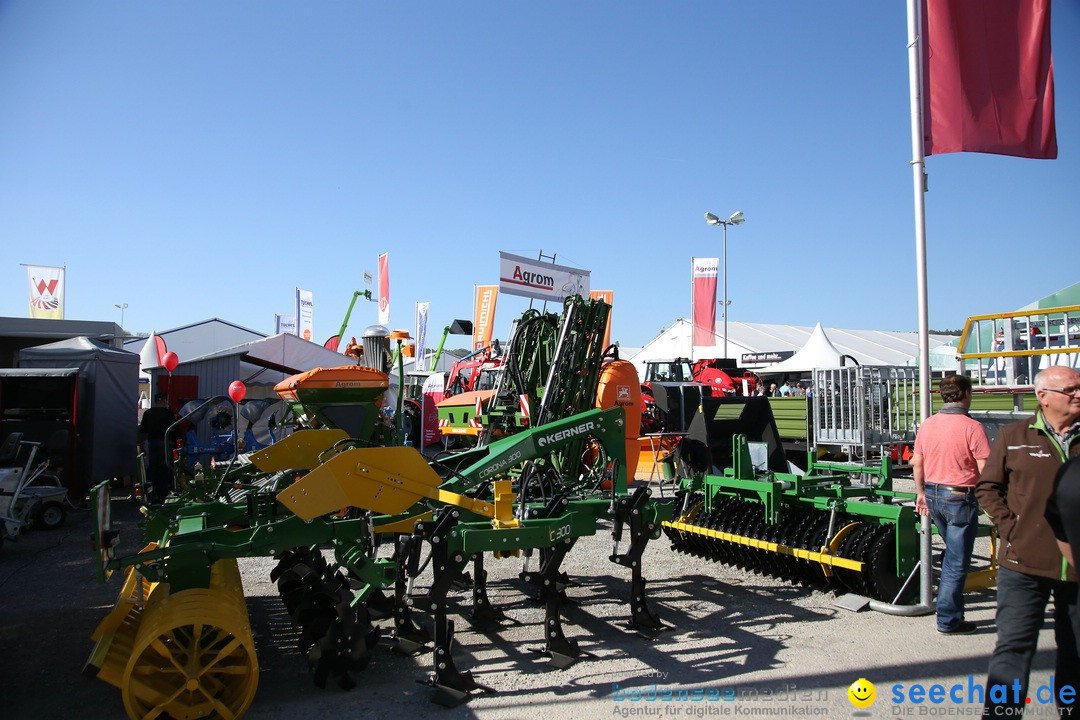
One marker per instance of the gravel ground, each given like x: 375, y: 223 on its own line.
x: 776, y: 649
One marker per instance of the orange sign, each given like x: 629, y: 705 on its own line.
x: 484, y: 315
x: 607, y: 296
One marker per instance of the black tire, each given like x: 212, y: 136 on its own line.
x: 50, y: 515
x: 410, y: 425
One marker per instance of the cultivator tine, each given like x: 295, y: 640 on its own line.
x: 409, y: 637
x: 633, y: 512
x: 484, y: 615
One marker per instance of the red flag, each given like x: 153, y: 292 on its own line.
x: 988, y: 78
x: 384, y: 289
x: 703, y: 278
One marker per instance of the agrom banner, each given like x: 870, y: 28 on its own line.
x: 540, y: 280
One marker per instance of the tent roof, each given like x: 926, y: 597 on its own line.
x: 818, y: 352
x: 869, y: 347
x: 77, y: 347
x: 283, y: 352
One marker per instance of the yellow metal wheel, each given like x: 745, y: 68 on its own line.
x: 193, y: 656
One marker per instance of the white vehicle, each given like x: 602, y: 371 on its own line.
x: 28, y: 494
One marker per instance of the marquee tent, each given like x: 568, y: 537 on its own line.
x: 818, y: 352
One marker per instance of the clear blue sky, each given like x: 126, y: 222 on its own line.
x: 202, y: 159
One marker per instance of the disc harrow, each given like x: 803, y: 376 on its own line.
x: 833, y: 527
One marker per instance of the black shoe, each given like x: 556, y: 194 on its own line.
x: 961, y: 628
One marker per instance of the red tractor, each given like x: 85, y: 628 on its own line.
x: 722, y: 374
x: 677, y: 377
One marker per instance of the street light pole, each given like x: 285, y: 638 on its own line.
x: 122, y: 307
x: 735, y: 219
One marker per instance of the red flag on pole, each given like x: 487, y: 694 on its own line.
x: 384, y: 289
x: 988, y: 78
x: 703, y: 299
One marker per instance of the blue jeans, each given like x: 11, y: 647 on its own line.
x: 1021, y: 607
x: 955, y: 513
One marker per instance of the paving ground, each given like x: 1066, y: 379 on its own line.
x: 778, y: 650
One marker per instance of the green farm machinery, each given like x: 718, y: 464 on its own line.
x: 322, y: 501
x: 739, y: 501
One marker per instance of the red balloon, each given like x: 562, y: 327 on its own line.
x: 170, y: 361
x: 237, y: 390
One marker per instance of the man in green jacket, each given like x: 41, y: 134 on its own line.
x: 1013, y: 490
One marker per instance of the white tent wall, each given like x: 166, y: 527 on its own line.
x: 869, y: 347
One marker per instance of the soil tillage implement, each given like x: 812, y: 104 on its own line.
x: 178, y: 641
x: 478, y: 512
x: 550, y: 479
x: 352, y: 489
x: 835, y: 524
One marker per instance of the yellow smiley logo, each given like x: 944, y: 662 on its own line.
x: 862, y: 693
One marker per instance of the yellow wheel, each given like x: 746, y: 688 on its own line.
x: 193, y: 655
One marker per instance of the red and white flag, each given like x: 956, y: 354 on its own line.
x: 384, y: 289
x: 46, y: 291
x: 703, y: 300
x: 988, y: 78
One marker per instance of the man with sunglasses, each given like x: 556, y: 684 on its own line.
x: 1013, y: 490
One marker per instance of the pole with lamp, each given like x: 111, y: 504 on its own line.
x: 122, y: 307
x: 735, y: 219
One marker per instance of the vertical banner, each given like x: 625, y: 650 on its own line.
x: 384, y: 289
x: 988, y: 78
x: 607, y: 296
x: 421, y: 333
x: 46, y: 291
x: 703, y: 299
x: 304, y: 314
x: 484, y: 314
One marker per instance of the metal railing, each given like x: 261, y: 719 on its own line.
x: 1008, y: 349
x: 864, y: 406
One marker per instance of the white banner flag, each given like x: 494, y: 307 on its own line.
x: 421, y: 333
x: 304, y: 303
x: 540, y: 280
x: 46, y: 291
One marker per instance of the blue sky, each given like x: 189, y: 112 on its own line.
x: 203, y: 158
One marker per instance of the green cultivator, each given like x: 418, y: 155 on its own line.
x: 321, y: 501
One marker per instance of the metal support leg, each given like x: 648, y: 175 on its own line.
x: 632, y: 512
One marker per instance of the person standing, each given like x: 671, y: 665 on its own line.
x: 1063, y: 510
x: 155, y: 422
x: 1013, y: 490
x: 950, y: 451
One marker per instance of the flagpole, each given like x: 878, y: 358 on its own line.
x: 693, y: 309
x: 918, y: 163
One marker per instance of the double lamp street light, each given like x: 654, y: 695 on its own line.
x: 735, y: 219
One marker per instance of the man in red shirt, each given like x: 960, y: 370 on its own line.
x: 950, y: 452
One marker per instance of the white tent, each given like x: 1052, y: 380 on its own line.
x: 818, y: 352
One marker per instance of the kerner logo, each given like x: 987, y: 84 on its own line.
x: 567, y: 433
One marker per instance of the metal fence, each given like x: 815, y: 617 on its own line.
x: 863, y: 407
